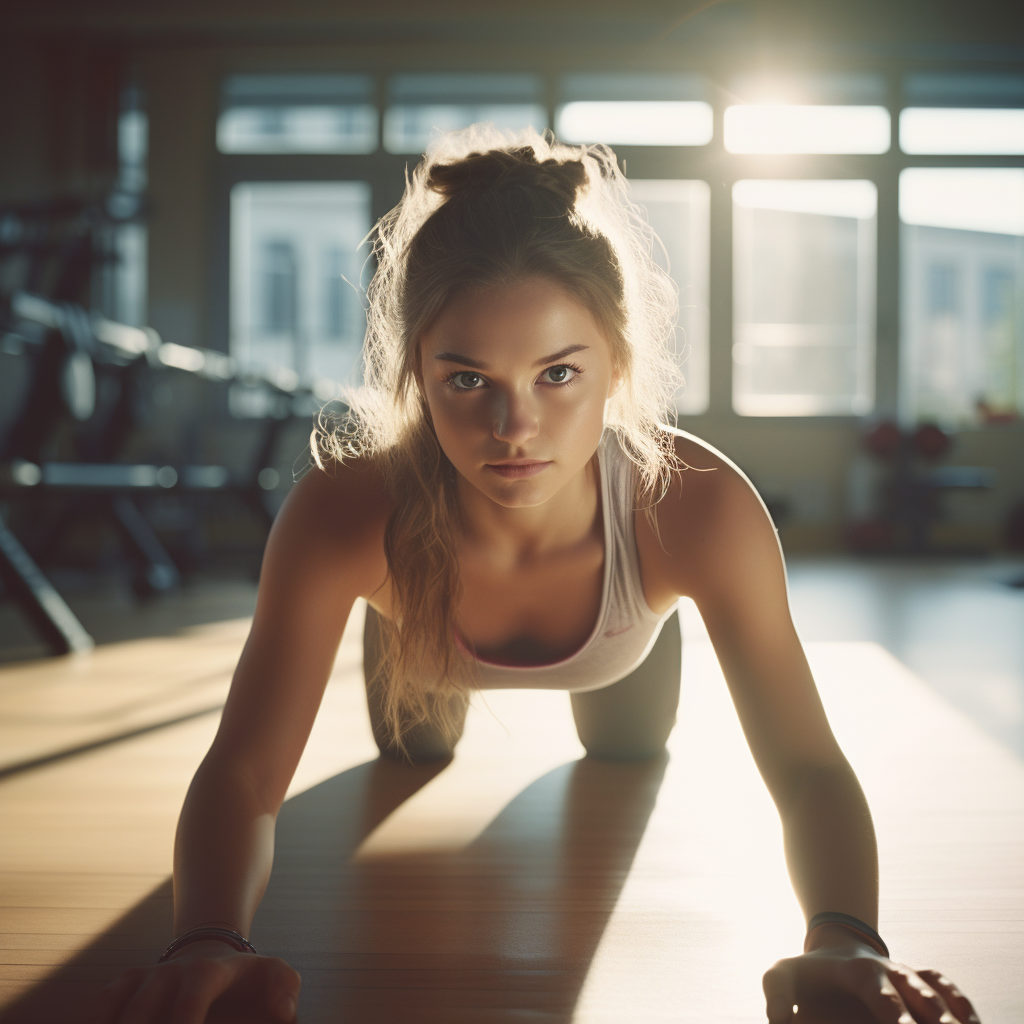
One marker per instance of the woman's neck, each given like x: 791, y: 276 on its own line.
x: 516, y: 535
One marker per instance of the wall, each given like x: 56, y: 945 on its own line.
x: 181, y: 88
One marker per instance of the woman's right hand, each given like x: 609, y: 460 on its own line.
x: 182, y: 989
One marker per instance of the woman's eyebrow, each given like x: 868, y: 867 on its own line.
x: 561, y: 354
x: 454, y: 357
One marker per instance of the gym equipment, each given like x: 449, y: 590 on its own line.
x: 36, y: 596
x: 912, y: 489
x: 70, y: 348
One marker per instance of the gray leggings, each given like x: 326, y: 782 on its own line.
x: 627, y: 721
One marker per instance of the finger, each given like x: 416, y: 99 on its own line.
x: 779, y: 993
x: 204, y: 982
x: 112, y: 999
x: 922, y: 1000
x: 282, y: 989
x: 955, y: 999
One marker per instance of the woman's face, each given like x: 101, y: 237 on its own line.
x: 516, y: 378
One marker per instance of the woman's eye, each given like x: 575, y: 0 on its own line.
x: 466, y: 381
x: 559, y: 374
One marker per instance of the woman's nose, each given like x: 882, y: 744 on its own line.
x: 515, y: 419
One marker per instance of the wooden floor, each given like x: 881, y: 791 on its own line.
x: 518, y: 884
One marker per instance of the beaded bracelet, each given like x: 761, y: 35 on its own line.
x: 865, y: 931
x: 234, y: 939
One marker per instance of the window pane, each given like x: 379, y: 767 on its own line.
x: 804, y: 297
x: 679, y: 213
x: 962, y: 274
x: 989, y: 199
x: 422, y: 106
x: 123, y: 280
x: 409, y: 128
x: 634, y: 109
x: 960, y: 130
x: 794, y: 128
x: 342, y: 129
x: 636, y: 122
x: 297, y: 114
x: 296, y: 266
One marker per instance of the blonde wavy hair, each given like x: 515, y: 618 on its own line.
x: 486, y: 207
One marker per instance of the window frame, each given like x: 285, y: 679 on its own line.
x: 711, y: 163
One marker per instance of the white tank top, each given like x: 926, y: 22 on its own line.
x: 626, y: 628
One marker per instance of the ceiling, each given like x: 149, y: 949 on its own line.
x: 993, y: 28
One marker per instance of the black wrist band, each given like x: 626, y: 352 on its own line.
x: 848, y: 921
x: 234, y: 939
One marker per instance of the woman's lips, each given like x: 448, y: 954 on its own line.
x: 519, y: 469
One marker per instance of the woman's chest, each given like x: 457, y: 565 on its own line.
x: 535, y: 613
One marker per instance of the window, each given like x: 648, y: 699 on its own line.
x: 634, y: 110
x: 804, y: 250
x: 826, y: 113
x: 679, y: 213
x: 297, y: 114
x: 423, y: 106
x: 279, y: 284
x: 961, y: 131
x: 121, y: 285
x: 804, y: 297
x: 792, y: 128
x: 343, y: 307
x: 297, y: 277
x: 962, y: 274
x: 960, y: 113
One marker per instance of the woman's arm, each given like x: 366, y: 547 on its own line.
x: 313, y: 569
x: 718, y: 546
x: 323, y: 552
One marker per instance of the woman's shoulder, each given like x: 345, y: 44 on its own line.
x: 337, y: 508
x: 709, y: 519
x: 702, y: 473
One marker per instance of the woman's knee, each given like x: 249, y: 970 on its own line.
x: 626, y: 742
x: 640, y: 748
x: 631, y: 720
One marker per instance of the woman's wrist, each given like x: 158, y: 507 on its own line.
x: 207, y: 934
x: 834, y: 928
x: 191, y: 926
x: 202, y: 949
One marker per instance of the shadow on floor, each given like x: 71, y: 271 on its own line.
x: 8, y: 771
x: 503, y: 930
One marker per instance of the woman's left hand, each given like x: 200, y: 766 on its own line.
x: 844, y: 979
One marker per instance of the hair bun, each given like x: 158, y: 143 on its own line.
x: 501, y: 170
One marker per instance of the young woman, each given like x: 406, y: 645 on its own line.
x: 505, y: 497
